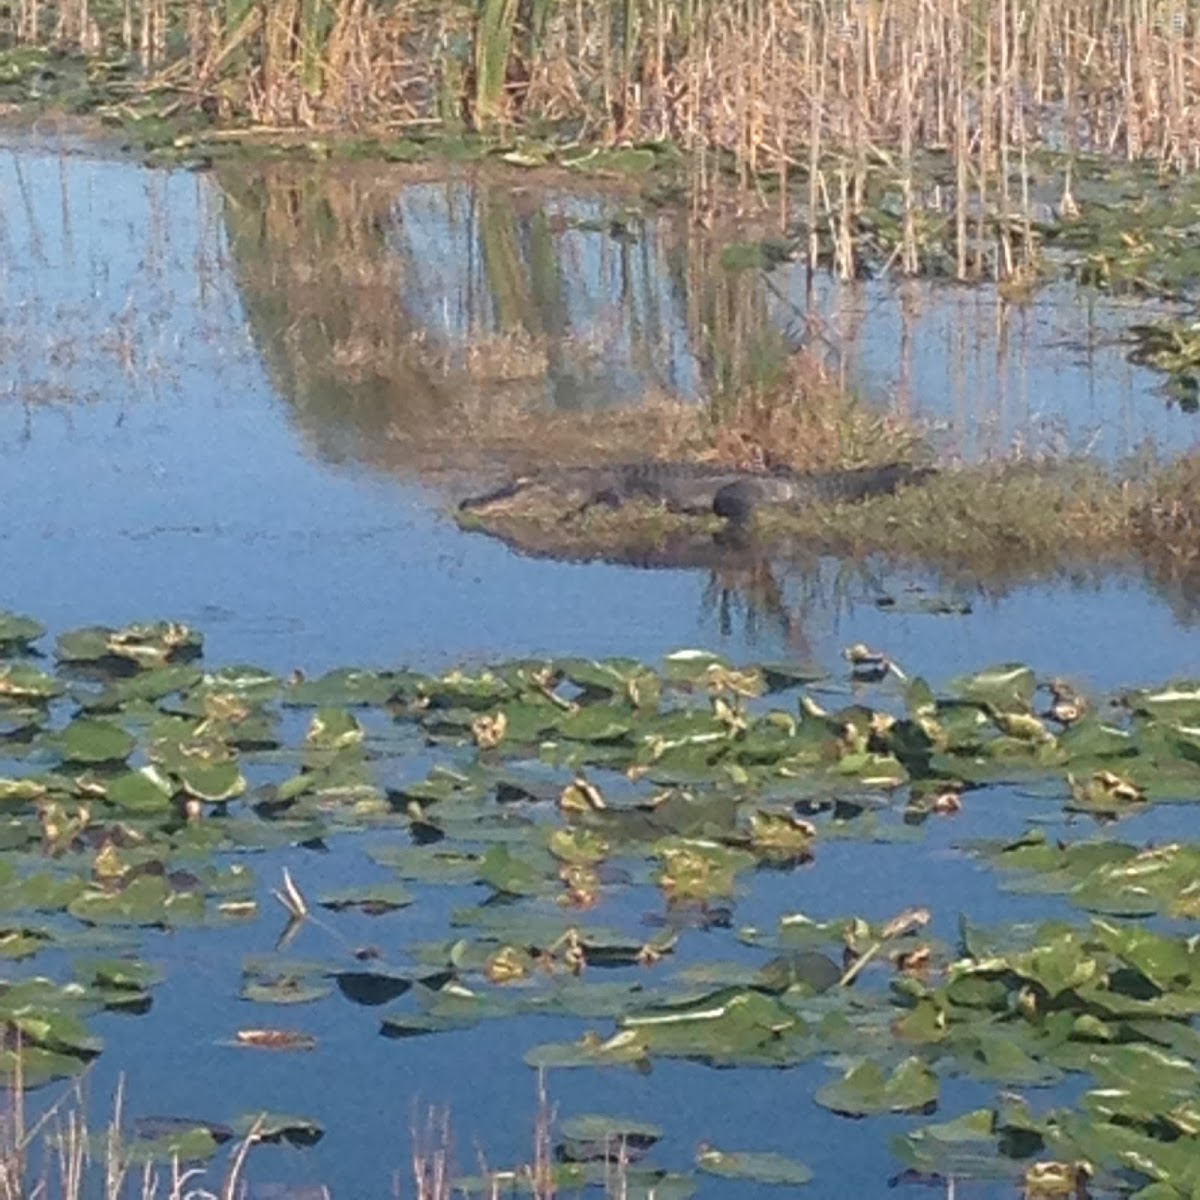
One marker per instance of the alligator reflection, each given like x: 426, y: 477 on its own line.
x: 746, y: 581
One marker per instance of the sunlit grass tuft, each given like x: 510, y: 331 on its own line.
x: 1167, y: 526
x: 980, y: 520
x: 804, y: 417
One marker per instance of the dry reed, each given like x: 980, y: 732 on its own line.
x: 832, y: 89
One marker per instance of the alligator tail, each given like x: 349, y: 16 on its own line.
x: 865, y: 482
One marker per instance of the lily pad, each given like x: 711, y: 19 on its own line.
x: 17, y: 633
x: 761, y: 1167
x: 87, y: 740
x: 280, y: 1127
x: 381, y: 898
x: 867, y: 1088
x: 589, y: 1137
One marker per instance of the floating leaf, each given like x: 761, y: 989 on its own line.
x: 607, y: 1138
x: 93, y: 741
x: 147, y: 646
x: 143, y: 791
x: 763, y: 1167
x: 280, y: 1127
x: 147, y: 900
x: 374, y: 900
x: 23, y: 683
x: 866, y: 1089
x: 1006, y: 688
x: 347, y: 688
x: 275, y: 1039
x: 17, y: 633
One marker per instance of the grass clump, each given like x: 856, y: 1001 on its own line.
x: 984, y: 520
x: 802, y: 416
x: 1166, y: 525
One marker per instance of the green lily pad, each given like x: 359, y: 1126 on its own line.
x: 728, y: 1027
x: 121, y: 973
x: 517, y: 873
x: 87, y: 740
x: 762, y: 1167
x: 145, y: 645
x: 333, y: 729
x: 174, y: 1139
x: 429, y: 864
x: 597, y: 723
x: 147, y: 900
x: 40, y: 891
x: 405, y: 1025
x: 280, y: 1127
x: 145, y: 687
x: 20, y: 683
x: 1006, y: 688
x: 143, y: 791
x: 372, y: 900
x: 592, y: 1136
x: 35, y: 1066
x: 17, y: 633
x: 348, y: 688
x: 867, y: 1088
x: 275, y: 981
x: 1178, y: 701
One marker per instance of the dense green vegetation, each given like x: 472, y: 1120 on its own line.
x: 136, y: 780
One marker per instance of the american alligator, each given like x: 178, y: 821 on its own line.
x: 692, y: 487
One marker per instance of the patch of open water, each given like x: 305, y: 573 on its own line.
x: 156, y: 464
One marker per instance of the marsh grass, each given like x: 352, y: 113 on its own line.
x: 803, y: 416
x: 1166, y: 524
x: 989, y: 522
x: 57, y: 1155
x: 800, y: 106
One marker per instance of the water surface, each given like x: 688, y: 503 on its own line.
x: 224, y: 409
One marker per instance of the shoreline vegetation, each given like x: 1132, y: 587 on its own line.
x: 994, y: 524
x: 953, y: 139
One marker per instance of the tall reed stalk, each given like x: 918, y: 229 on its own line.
x: 835, y: 92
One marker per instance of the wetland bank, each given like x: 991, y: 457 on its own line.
x: 733, y: 896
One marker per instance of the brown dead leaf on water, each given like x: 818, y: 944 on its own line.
x: 276, y: 1039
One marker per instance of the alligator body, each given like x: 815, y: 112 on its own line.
x: 702, y: 488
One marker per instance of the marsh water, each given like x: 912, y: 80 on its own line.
x: 247, y: 400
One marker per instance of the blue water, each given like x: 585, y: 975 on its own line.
x: 151, y: 470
